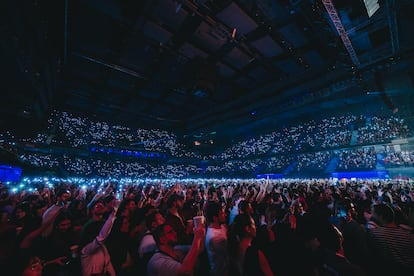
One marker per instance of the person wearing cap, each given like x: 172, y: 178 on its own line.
x: 95, y: 257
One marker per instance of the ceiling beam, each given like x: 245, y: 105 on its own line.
x: 333, y: 14
x: 393, y: 26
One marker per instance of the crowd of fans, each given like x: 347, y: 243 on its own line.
x: 316, y: 161
x: 91, y: 167
x: 80, y: 132
x: 349, y: 160
x: 305, y: 147
x: 210, y: 226
x: 276, y: 164
x: 357, y: 159
x: 207, y: 227
x: 330, y: 133
x: 402, y: 158
x: 379, y: 130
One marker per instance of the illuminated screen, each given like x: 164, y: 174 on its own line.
x: 10, y: 173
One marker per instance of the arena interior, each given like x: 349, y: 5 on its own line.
x: 207, y: 137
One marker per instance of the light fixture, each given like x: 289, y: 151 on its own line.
x: 371, y: 6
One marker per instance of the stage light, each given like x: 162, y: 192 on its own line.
x: 371, y: 6
x: 233, y: 34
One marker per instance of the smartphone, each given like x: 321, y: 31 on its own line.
x: 67, y: 261
x: 341, y: 213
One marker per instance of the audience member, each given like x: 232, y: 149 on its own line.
x: 166, y: 261
x: 216, y: 239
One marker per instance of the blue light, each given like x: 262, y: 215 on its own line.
x: 271, y: 176
x: 10, y: 173
x: 363, y: 175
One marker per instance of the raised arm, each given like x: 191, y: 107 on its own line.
x: 103, y: 233
x: 190, y: 260
x: 27, y: 241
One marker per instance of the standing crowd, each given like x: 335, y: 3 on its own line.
x: 226, y: 227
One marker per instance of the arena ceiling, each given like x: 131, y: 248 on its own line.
x: 202, y: 66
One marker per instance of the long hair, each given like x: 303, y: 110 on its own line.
x: 237, y: 231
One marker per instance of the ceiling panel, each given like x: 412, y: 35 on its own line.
x: 156, y: 32
x: 225, y: 70
x: 289, y: 66
x: 267, y: 47
x: 176, y: 64
x: 190, y: 51
x: 234, y: 17
x: 294, y: 35
x: 210, y: 37
x: 237, y: 58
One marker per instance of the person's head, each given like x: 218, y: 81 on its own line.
x: 20, y: 212
x: 98, y: 209
x: 79, y: 205
x: 244, y: 226
x: 332, y: 239
x: 39, y: 209
x: 175, y: 201
x: 153, y: 220
x: 383, y: 213
x: 299, y: 207
x: 165, y: 235
x: 62, y: 196
x: 76, y: 206
x: 245, y: 207
x: 63, y: 222
x: 237, y: 197
x: 212, y: 194
x: 349, y: 209
x: 215, y: 213
x: 130, y: 205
